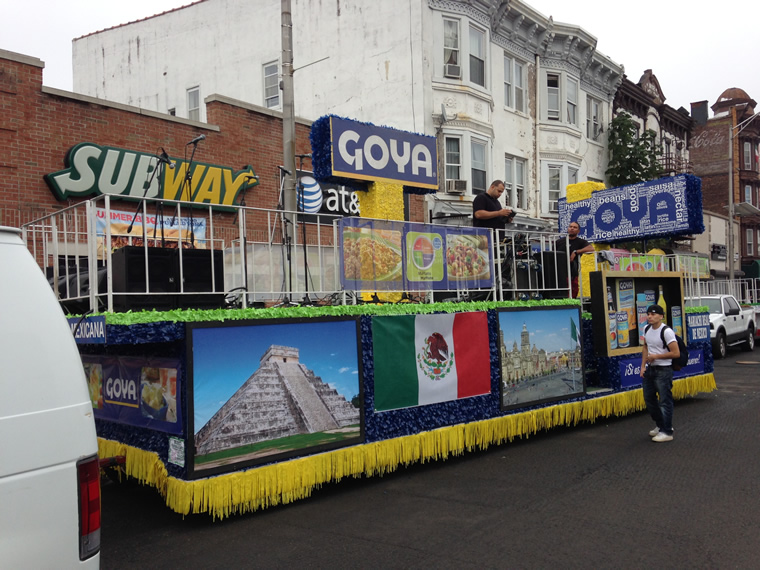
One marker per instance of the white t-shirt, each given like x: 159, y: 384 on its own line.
x: 654, y: 344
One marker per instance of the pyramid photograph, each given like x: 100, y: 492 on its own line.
x: 295, y: 398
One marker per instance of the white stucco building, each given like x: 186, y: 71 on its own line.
x: 509, y: 93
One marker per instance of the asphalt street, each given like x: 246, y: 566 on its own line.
x: 597, y: 496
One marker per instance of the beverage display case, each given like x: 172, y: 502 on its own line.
x: 619, y: 300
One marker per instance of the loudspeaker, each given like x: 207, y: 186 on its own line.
x: 128, y: 271
x: 554, y: 270
x: 196, y: 275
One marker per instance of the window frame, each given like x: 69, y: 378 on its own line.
x: 265, y: 76
x: 475, y: 142
x: 514, y: 83
x: 748, y: 193
x: 190, y: 93
x: 747, y: 155
x: 514, y: 181
x: 572, y: 105
x: 554, y: 114
x: 483, y: 48
x: 447, y: 164
x: 749, y: 235
x: 457, y: 50
x: 550, y: 190
x: 593, y: 122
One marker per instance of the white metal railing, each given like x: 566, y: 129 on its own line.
x: 260, y: 256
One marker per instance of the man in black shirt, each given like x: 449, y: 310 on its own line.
x: 577, y: 246
x: 487, y: 211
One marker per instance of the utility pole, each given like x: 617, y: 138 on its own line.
x: 288, y: 128
x: 732, y: 117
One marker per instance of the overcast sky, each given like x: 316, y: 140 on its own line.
x: 695, y: 51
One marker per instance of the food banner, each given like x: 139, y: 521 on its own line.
x: 173, y: 228
x: 386, y: 255
x: 136, y: 391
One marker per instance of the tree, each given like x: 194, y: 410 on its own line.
x: 633, y: 157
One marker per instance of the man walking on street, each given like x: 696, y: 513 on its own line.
x: 657, y: 373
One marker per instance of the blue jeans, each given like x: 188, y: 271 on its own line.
x: 659, y: 380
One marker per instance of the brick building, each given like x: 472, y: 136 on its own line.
x: 40, y: 128
x: 733, y: 122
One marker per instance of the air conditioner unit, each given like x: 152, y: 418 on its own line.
x: 453, y: 71
x: 456, y: 186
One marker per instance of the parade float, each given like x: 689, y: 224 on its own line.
x: 227, y: 411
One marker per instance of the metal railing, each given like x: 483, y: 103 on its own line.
x: 259, y: 257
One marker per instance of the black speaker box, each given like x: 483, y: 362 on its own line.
x: 128, y: 273
x: 196, y: 276
x: 554, y: 273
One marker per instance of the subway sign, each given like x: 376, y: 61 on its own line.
x: 98, y: 170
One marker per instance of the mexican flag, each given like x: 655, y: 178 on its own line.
x: 426, y: 359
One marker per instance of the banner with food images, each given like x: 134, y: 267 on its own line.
x: 397, y: 256
x: 138, y: 391
x: 428, y: 359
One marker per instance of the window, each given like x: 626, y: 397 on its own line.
x: 572, y: 175
x: 478, y: 166
x: 748, y: 193
x: 572, y: 101
x: 271, y: 85
x: 450, y: 42
x: 477, y: 57
x: 514, y: 89
x: 194, y: 103
x: 750, y: 245
x: 514, y: 182
x: 747, y: 156
x: 593, y: 119
x: 552, y: 90
x: 453, y: 159
x: 555, y: 177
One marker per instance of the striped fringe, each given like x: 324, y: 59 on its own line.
x: 284, y: 482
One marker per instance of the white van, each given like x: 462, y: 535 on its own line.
x: 49, y: 471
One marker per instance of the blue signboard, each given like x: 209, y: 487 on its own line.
x: 698, y: 326
x: 367, y: 152
x: 138, y: 391
x: 399, y: 256
x: 630, y: 368
x: 88, y: 330
x: 666, y: 206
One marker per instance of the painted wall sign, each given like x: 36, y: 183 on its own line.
x: 368, y: 152
x: 93, y: 170
x: 667, y: 206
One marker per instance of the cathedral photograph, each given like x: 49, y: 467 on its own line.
x: 265, y: 391
x: 541, y: 358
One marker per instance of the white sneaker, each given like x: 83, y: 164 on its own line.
x: 662, y: 436
x: 654, y: 432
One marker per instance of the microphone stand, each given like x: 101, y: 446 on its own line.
x: 285, y: 241
x: 188, y: 185
x: 142, y: 200
x: 302, y: 211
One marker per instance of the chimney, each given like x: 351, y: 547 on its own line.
x: 699, y: 112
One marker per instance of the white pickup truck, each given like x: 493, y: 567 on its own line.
x: 730, y: 324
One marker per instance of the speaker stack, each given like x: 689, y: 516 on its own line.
x: 163, y: 286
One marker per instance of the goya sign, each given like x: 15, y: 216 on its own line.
x: 368, y: 152
x: 667, y: 206
x: 92, y: 170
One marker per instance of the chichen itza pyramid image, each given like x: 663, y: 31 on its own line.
x: 282, y: 398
